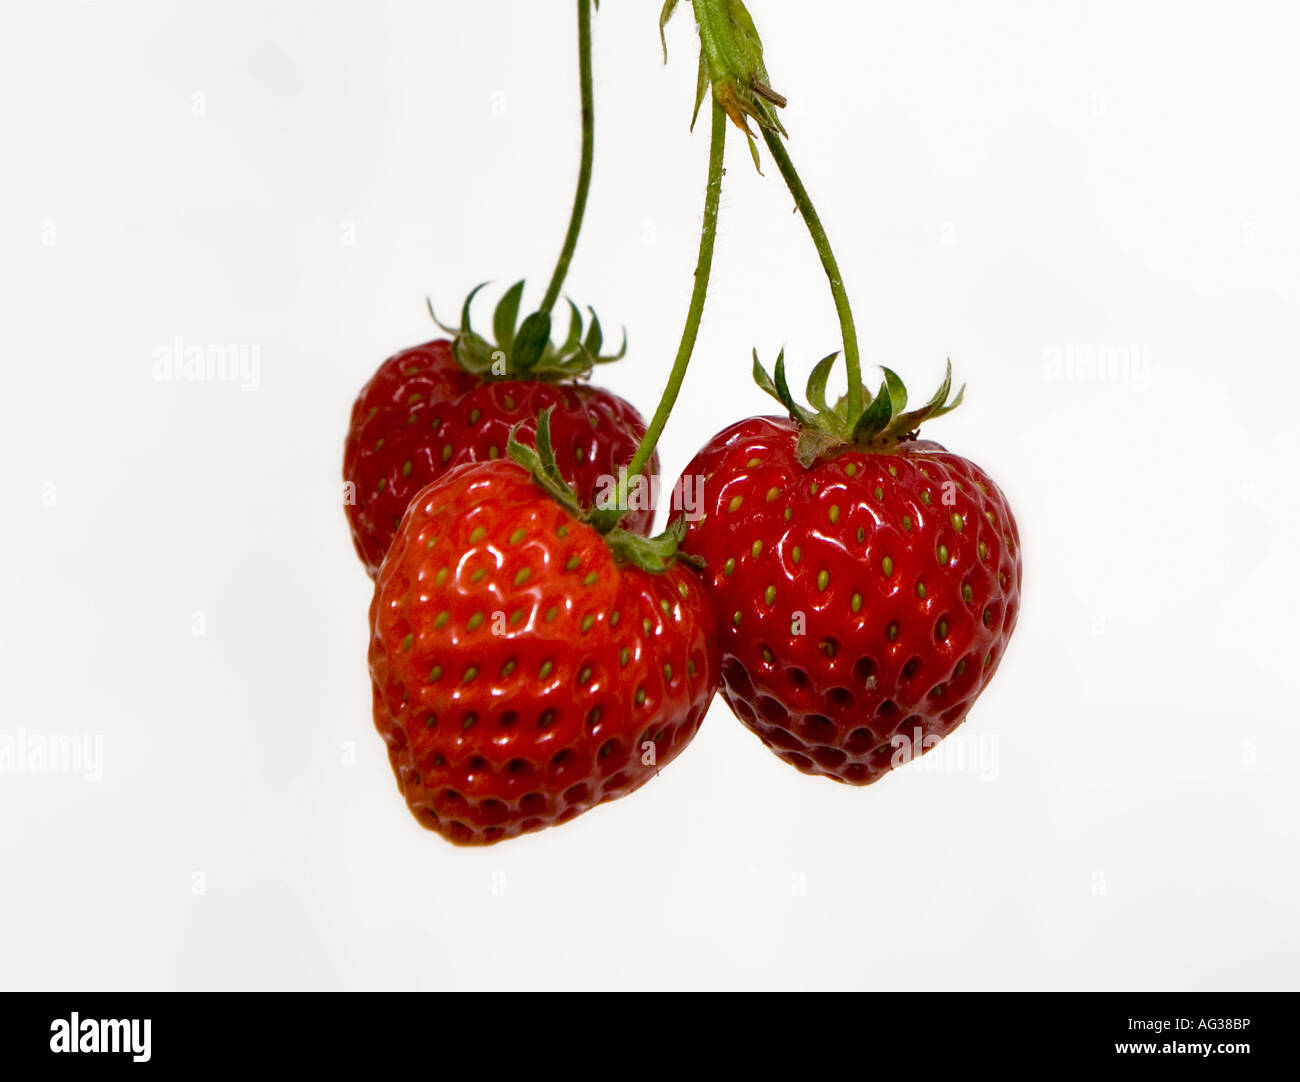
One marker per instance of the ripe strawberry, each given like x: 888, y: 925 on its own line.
x: 447, y: 402
x: 523, y: 672
x: 866, y: 582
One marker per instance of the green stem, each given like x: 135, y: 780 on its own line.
x: 823, y: 245
x: 690, y: 331
x: 584, y: 170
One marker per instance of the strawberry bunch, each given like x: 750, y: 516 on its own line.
x: 848, y: 586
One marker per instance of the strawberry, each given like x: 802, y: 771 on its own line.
x: 523, y: 669
x: 435, y: 406
x: 866, y: 582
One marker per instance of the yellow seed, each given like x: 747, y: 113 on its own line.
x: 735, y: 503
x: 887, y: 566
x: 756, y: 548
x: 855, y: 602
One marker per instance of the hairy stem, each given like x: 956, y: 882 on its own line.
x: 584, y: 169
x: 690, y: 331
x: 823, y: 245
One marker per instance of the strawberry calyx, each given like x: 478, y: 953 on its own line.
x: 883, y: 422
x: 731, y: 65
x: 653, y: 554
x: 525, y: 350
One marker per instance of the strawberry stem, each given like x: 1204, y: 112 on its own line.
x: 823, y: 246
x: 703, y: 266
x: 584, y: 169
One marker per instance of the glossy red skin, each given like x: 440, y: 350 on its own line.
x: 430, y: 413
x: 832, y: 701
x: 546, y: 742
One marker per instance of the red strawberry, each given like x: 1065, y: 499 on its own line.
x: 448, y: 402
x: 865, y: 588
x: 522, y: 672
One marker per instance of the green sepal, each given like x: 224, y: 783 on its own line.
x: 881, y: 422
x: 875, y: 418
x: 665, y: 13
x: 897, y: 392
x: 574, y: 338
x: 653, y: 554
x: 779, y: 389
x: 783, y: 391
x: 506, y: 315
x: 595, y: 337
x: 527, y: 351
x: 815, y: 391
x: 540, y: 463
x: 531, y: 341
x: 938, y: 405
x: 609, y: 358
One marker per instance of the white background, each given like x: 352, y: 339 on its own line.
x: 1008, y: 184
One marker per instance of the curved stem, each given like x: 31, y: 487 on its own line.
x: 703, y: 266
x: 823, y: 245
x: 584, y: 169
